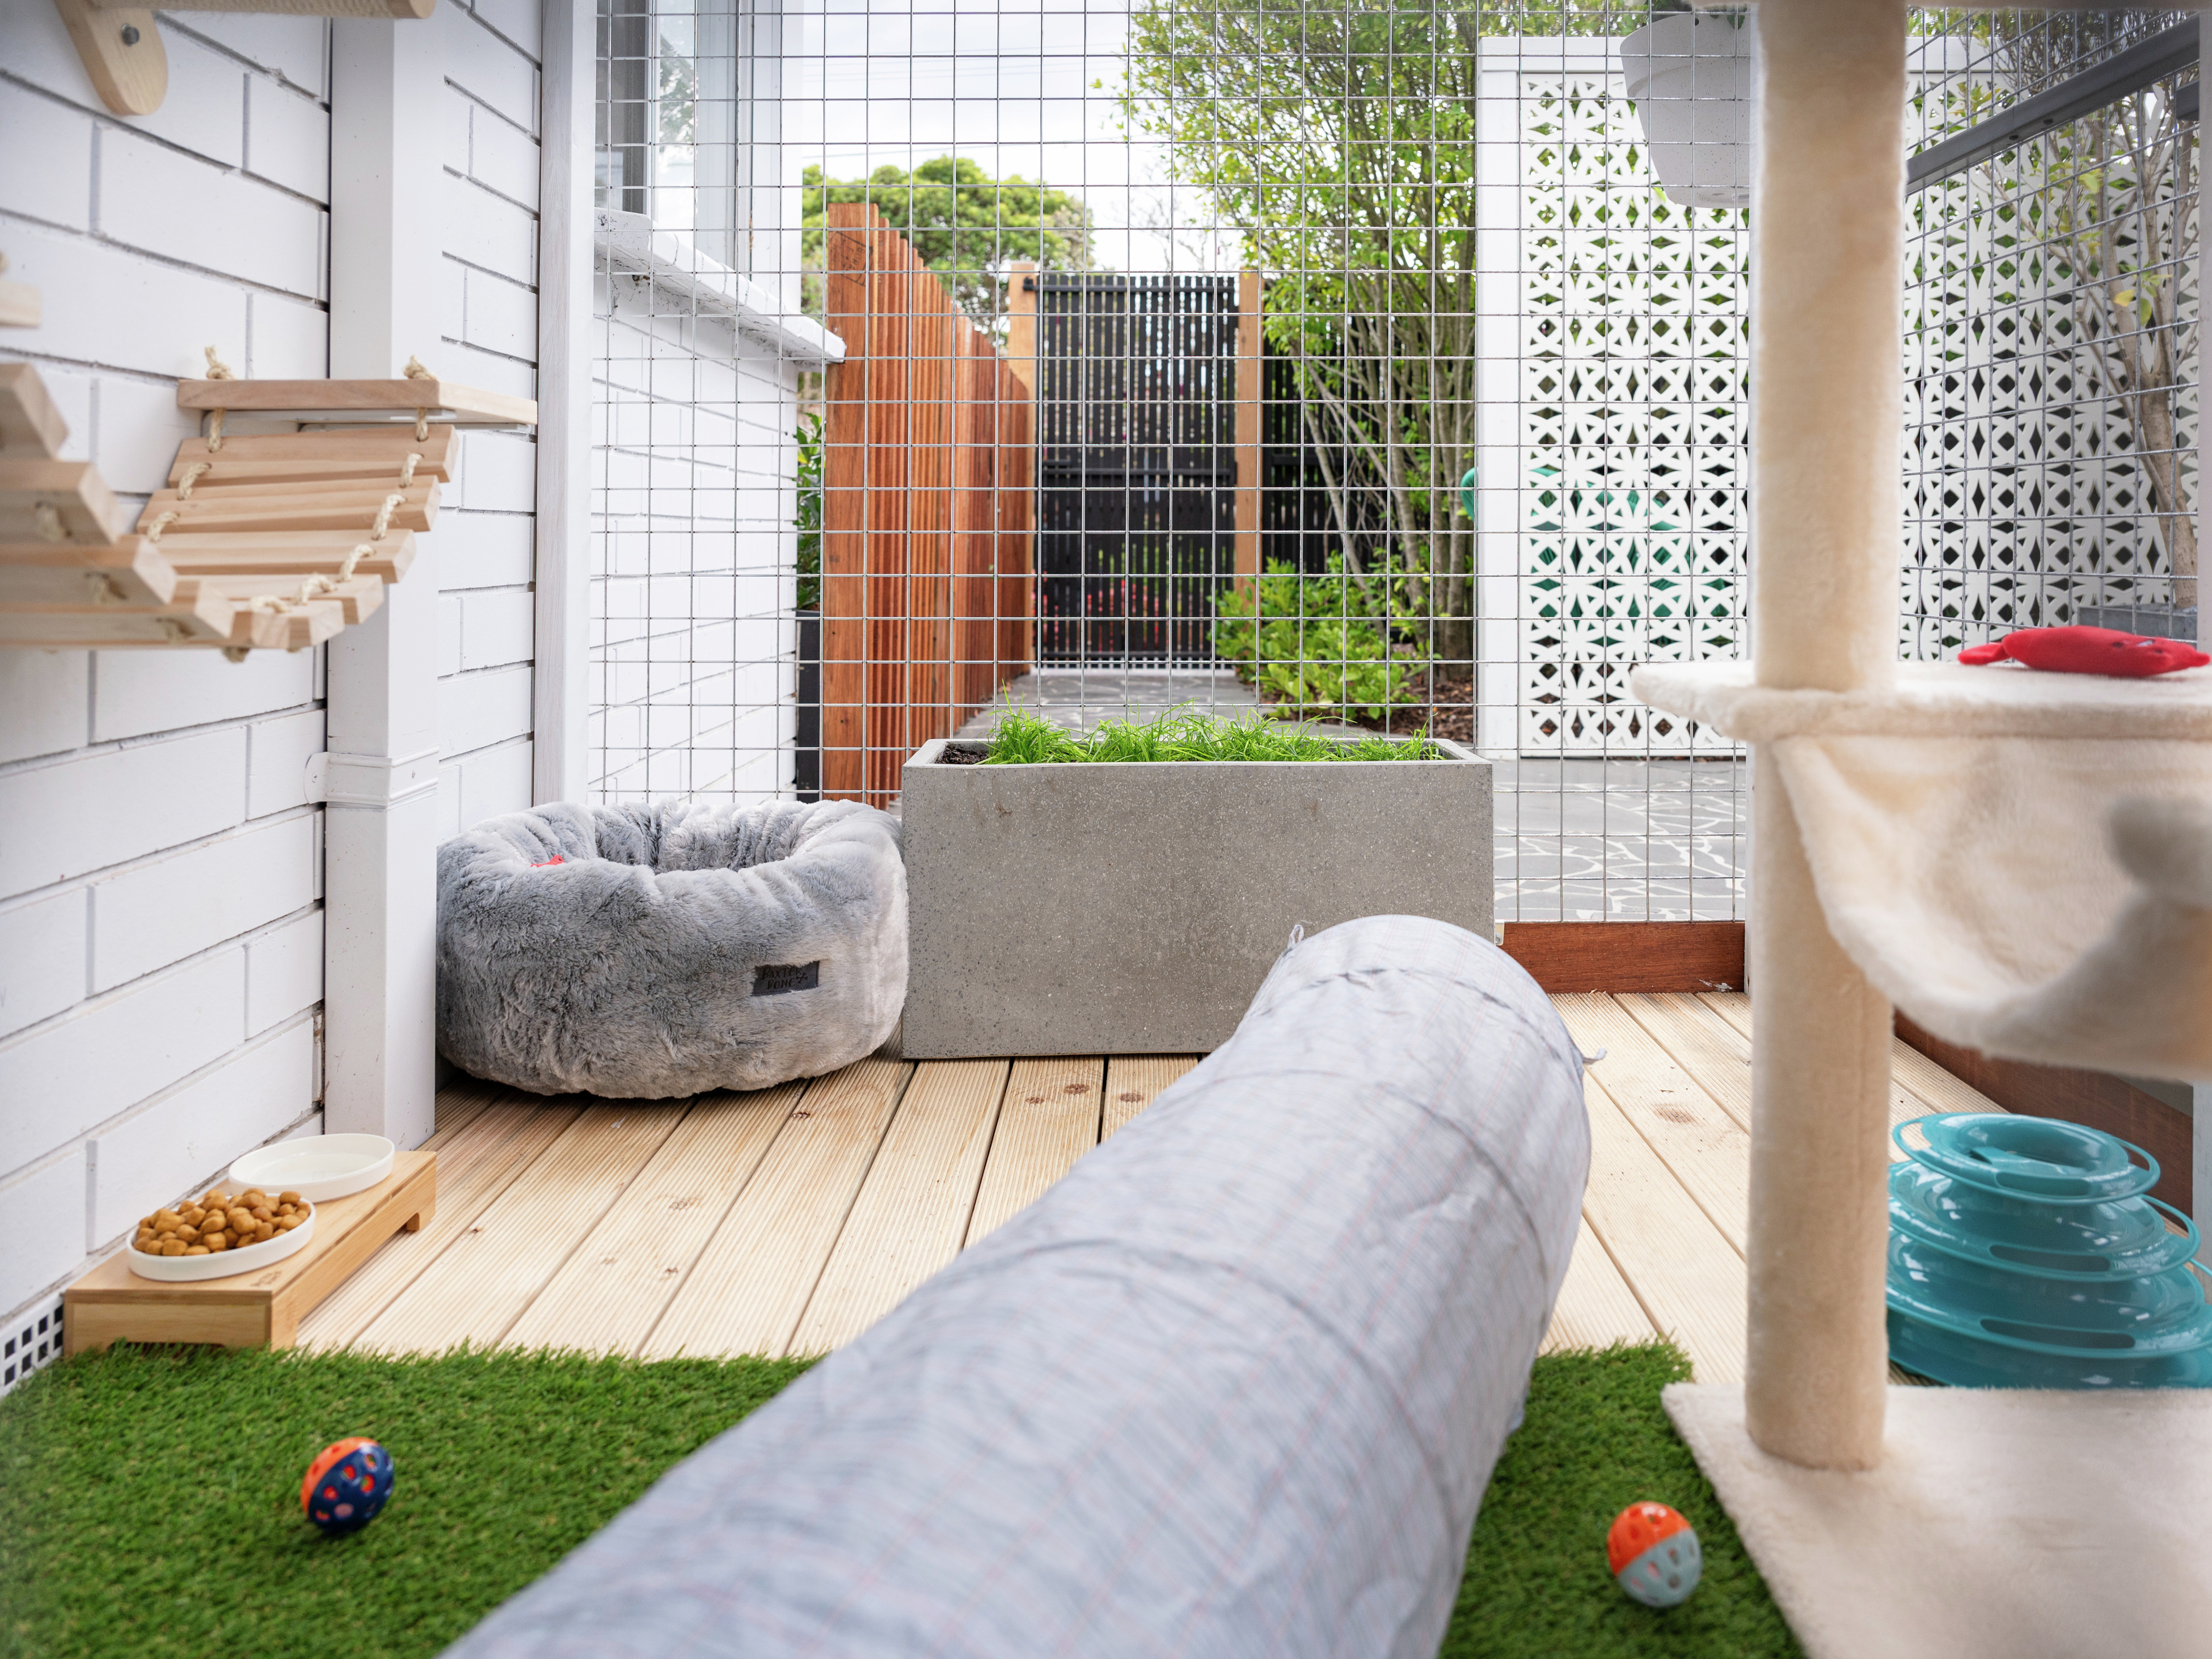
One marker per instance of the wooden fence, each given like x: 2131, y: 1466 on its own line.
x: 928, y: 457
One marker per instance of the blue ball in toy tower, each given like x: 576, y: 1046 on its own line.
x: 348, y: 1486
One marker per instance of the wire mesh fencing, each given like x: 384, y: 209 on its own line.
x: 2051, y: 326
x: 1379, y: 365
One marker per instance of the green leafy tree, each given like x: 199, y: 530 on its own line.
x: 1337, y: 138
x: 967, y: 225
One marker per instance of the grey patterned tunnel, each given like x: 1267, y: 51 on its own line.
x: 1234, y: 1386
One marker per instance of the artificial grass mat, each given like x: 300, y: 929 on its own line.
x: 1595, y: 1441
x: 149, y: 1500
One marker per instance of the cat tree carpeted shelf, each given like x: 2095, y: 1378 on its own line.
x: 2021, y: 861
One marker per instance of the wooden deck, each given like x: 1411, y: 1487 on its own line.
x: 788, y: 1221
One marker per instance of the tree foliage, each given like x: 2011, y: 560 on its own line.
x: 1337, y: 138
x: 966, y: 226
x: 2102, y: 213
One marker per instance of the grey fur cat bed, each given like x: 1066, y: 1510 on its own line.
x: 646, y: 951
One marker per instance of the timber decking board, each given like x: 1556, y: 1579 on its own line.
x: 1050, y: 1118
x: 1707, y: 1151
x: 477, y: 1160
x: 1685, y: 1273
x: 913, y: 1209
x: 1917, y: 1086
x: 611, y: 1291
x: 751, y: 1283
x: 1596, y: 1307
x: 489, y: 1273
x: 878, y: 1175
x: 1702, y: 1043
x: 1133, y: 1082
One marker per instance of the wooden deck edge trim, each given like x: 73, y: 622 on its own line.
x: 1628, y: 956
x: 2095, y: 1099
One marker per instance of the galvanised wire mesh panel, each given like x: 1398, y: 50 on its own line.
x: 1346, y: 361
x: 696, y: 432
x: 2051, y: 328
x: 1622, y: 457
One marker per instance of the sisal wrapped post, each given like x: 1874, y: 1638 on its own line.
x: 1827, y: 237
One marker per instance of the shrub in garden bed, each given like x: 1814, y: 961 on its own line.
x: 1313, y: 642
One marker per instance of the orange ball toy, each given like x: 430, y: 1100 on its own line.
x: 1655, y: 1554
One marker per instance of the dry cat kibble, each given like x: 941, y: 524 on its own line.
x: 220, y: 1222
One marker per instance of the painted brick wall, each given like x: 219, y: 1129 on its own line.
x: 161, y: 924
x: 486, y: 224
x: 160, y: 919
x: 693, y: 653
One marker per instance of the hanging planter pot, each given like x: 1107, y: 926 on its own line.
x: 1689, y: 75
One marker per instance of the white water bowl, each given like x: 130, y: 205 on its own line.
x: 316, y: 1167
x: 223, y: 1263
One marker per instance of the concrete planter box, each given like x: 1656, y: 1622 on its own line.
x: 1090, y: 908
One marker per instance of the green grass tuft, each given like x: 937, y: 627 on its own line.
x: 149, y: 1501
x: 1596, y: 1440
x: 1027, y: 740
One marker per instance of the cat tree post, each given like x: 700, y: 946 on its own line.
x: 1828, y: 232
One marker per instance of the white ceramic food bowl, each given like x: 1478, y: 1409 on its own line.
x: 223, y: 1263
x: 316, y: 1167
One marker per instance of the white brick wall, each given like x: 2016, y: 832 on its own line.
x: 161, y: 910
x: 487, y: 224
x: 161, y: 959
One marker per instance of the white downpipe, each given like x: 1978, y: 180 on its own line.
x: 381, y: 835
x: 560, y: 760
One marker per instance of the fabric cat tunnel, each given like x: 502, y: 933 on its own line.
x: 1234, y: 1386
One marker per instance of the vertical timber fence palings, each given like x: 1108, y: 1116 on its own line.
x: 1379, y: 366
x: 926, y: 511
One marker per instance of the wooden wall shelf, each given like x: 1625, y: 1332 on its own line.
x: 122, y: 51
x: 352, y: 401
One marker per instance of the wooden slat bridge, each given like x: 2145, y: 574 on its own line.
x: 788, y: 1221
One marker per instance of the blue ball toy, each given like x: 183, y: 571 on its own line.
x: 348, y: 1486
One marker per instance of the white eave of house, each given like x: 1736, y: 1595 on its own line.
x: 711, y: 289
